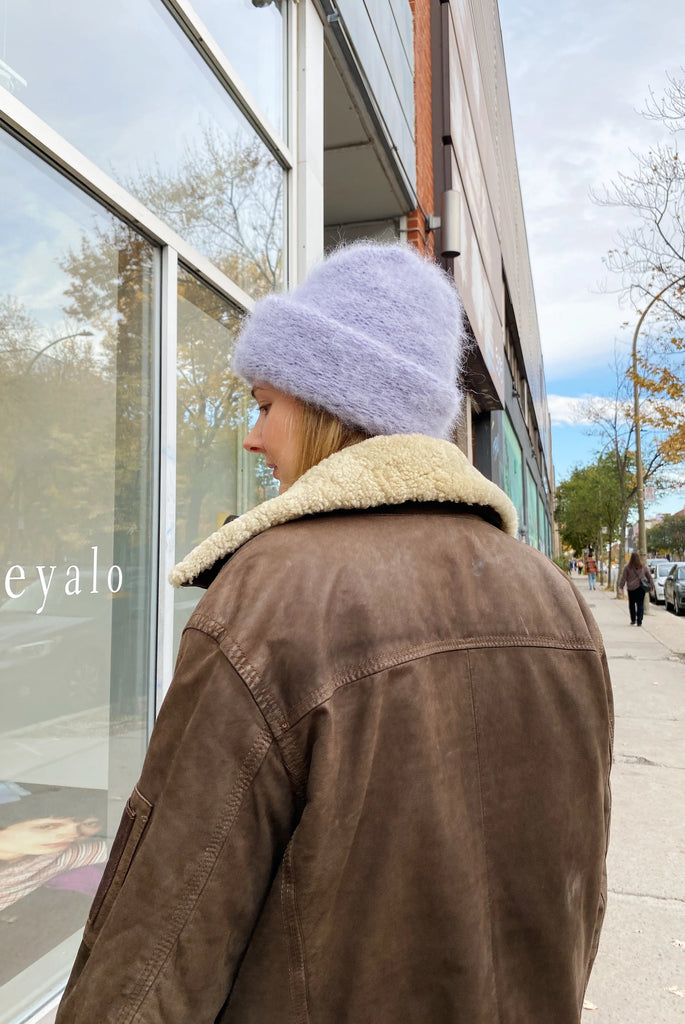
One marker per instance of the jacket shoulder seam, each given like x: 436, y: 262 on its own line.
x: 268, y: 706
x: 273, y: 714
x: 400, y: 656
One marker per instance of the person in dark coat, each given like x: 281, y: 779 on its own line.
x: 637, y: 578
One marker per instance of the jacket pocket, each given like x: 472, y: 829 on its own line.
x: 131, y: 828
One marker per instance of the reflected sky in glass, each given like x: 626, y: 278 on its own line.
x: 42, y: 217
x: 253, y: 40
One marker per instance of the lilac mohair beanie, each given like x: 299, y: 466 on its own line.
x: 374, y: 335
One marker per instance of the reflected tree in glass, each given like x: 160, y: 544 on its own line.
x: 215, y: 477
x: 226, y: 198
x: 52, y: 390
x: 111, y: 282
x: 112, y: 286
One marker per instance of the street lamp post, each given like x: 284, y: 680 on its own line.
x: 639, y: 469
x: 66, y: 337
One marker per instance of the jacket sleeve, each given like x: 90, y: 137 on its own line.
x: 622, y: 580
x: 199, y: 843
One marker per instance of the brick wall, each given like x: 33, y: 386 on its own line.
x: 416, y: 233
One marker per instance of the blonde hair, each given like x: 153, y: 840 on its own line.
x: 322, y: 434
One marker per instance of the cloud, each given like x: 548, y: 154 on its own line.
x: 579, y: 410
x: 578, y: 76
x: 567, y: 411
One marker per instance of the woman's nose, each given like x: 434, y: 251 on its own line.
x: 252, y: 442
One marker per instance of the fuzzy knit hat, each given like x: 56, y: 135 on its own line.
x: 375, y: 335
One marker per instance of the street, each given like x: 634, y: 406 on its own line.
x: 639, y: 974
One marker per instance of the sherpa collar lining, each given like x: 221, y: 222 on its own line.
x: 384, y: 470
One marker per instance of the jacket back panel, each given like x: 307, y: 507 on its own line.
x: 448, y: 717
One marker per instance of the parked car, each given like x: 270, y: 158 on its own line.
x: 660, y: 568
x: 674, y: 588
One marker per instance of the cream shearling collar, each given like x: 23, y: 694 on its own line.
x: 383, y: 470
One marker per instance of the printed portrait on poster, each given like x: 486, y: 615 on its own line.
x: 52, y: 855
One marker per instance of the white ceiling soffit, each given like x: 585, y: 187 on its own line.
x: 357, y: 184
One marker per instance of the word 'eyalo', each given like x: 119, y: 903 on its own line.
x: 16, y: 581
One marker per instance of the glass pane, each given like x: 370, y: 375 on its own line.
x: 532, y: 505
x: 77, y: 301
x: 253, y: 38
x: 542, y: 539
x: 136, y: 98
x: 215, y: 476
x: 512, y: 467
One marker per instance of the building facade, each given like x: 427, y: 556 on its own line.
x: 162, y: 165
x: 506, y: 426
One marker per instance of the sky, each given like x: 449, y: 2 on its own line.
x: 579, y: 73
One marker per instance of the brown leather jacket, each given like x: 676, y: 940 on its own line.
x: 378, y: 788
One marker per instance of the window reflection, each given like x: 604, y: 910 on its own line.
x: 532, y: 509
x: 224, y: 196
x: 77, y: 301
x: 215, y: 476
x: 159, y: 121
x: 253, y: 38
x: 512, y: 466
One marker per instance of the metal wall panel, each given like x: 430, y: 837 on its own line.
x: 478, y: 271
x: 382, y: 36
x: 484, y: 167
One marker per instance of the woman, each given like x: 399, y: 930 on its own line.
x: 378, y: 787
x: 634, y: 572
x: 36, y: 851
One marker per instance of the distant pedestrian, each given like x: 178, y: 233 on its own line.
x: 591, y: 570
x: 638, y: 580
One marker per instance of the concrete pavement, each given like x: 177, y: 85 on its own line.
x: 639, y: 974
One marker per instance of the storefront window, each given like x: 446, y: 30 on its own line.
x: 512, y: 467
x: 542, y: 521
x: 532, y: 506
x: 253, y: 38
x: 78, y: 296
x: 215, y: 476
x: 136, y: 98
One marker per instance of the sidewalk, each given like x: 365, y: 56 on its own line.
x: 639, y: 975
